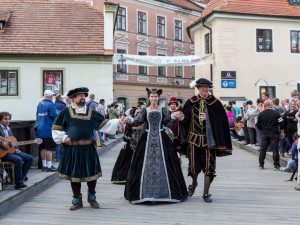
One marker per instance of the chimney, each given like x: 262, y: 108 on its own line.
x: 110, y: 14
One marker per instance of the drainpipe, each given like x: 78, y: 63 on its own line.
x: 210, y: 48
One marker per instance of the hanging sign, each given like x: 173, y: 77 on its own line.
x: 190, y: 60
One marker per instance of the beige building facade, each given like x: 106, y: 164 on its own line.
x: 261, y: 51
x: 154, y: 28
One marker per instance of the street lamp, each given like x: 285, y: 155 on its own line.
x: 122, y: 64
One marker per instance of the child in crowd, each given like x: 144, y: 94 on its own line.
x: 291, y: 166
x: 232, y: 125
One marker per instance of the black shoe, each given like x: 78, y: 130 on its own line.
x: 25, y: 179
x: 207, y: 198
x: 51, y: 169
x: 191, y: 190
x: 261, y: 167
x: 44, y: 168
x: 276, y: 168
x: 20, y: 185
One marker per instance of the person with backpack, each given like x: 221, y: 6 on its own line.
x: 230, y: 117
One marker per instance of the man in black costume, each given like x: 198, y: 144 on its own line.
x: 207, y: 130
x: 179, y: 136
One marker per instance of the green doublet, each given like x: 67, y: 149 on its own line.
x: 79, y: 163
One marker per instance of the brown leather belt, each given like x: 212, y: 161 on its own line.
x: 82, y: 142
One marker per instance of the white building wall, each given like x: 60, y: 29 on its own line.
x: 234, y: 48
x: 95, y: 75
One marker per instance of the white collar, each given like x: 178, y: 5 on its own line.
x: 4, y: 128
x: 81, y: 110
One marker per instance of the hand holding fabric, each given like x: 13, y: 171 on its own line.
x: 68, y: 141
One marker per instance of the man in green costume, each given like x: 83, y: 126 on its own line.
x: 74, y: 128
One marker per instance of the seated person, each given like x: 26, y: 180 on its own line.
x: 17, y: 157
x: 234, y: 127
x: 291, y: 166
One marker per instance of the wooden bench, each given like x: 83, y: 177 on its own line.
x: 8, y: 166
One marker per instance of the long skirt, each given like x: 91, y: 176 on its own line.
x: 155, y: 174
x: 122, y: 165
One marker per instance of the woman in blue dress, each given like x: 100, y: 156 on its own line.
x: 155, y: 174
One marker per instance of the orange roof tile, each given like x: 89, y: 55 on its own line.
x: 52, y: 28
x: 253, y: 7
x: 203, y: 1
x: 184, y: 3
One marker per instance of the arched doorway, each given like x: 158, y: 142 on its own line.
x: 123, y: 100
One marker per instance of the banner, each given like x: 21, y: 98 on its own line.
x: 145, y: 60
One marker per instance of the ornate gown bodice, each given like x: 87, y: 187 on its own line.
x: 154, y: 122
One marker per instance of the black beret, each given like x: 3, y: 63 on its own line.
x: 102, y: 100
x: 203, y: 82
x: 75, y: 91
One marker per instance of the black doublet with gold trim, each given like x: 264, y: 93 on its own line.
x: 218, y: 136
x: 197, y: 132
x: 205, y: 140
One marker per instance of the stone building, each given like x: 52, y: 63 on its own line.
x: 256, y: 47
x: 156, y: 28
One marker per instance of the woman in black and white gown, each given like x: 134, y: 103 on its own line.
x: 155, y: 174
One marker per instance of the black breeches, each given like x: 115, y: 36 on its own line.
x: 202, y: 159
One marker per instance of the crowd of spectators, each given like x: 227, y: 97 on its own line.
x: 268, y: 126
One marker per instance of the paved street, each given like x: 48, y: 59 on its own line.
x: 242, y: 194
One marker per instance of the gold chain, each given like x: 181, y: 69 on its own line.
x: 201, y: 110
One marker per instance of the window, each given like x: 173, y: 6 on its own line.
x: 270, y: 89
x: 142, y: 69
x: 160, y: 26
x: 53, y: 80
x: 8, y: 82
x: 142, y: 23
x: 295, y: 41
x: 178, y: 71
x: 119, y: 69
x: 178, y: 30
x: 121, y: 19
x: 161, y: 69
x: 264, y: 40
x: 206, y: 39
x: 294, y: 2
x: 1, y: 25
x: 192, y: 71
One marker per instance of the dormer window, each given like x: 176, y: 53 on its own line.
x: 4, y: 17
x: 2, y: 23
x: 294, y: 2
